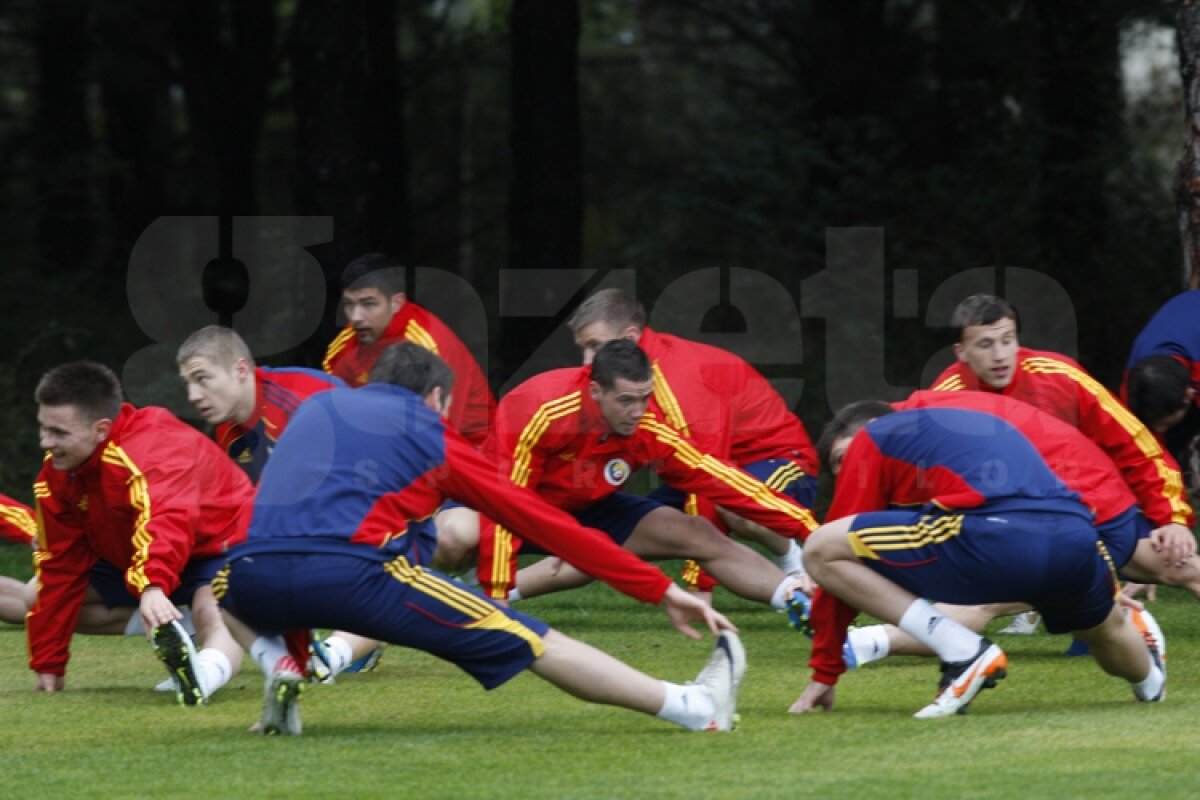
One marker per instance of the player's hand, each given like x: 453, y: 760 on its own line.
x: 49, y: 683
x: 1133, y: 589
x: 1126, y: 601
x: 815, y: 697
x: 1174, y: 542
x: 683, y: 609
x: 804, y: 582
x: 156, y: 609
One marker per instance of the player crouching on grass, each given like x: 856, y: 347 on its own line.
x: 986, y: 520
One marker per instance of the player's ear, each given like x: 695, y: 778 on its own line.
x: 397, y: 301
x: 241, y: 370
x: 594, y: 391
x: 960, y: 352
x: 631, y: 332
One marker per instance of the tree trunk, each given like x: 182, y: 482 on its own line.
x: 1187, y: 176
x: 135, y: 83
x: 545, y: 212
x: 350, y: 143
x: 1077, y: 118
x: 65, y: 225
x: 227, y: 61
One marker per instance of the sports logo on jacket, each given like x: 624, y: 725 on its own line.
x: 617, y: 471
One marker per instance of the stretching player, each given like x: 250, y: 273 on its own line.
x: 723, y: 405
x: 1162, y: 378
x: 310, y: 561
x: 154, y: 502
x: 991, y: 359
x: 576, y: 435
x: 379, y: 314
x: 1081, y: 465
x: 985, y: 520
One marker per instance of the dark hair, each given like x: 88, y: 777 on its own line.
x: 613, y: 306
x: 983, y: 309
x: 846, y: 422
x: 413, y: 367
x: 623, y: 359
x: 374, y: 271
x: 1157, y: 388
x: 92, y: 388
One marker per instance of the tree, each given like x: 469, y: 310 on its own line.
x: 545, y: 211
x: 1187, y: 178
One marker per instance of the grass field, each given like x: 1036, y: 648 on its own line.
x: 416, y: 727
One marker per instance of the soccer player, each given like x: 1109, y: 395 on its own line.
x: 1084, y: 468
x: 151, y: 501
x: 984, y: 519
x: 249, y: 405
x: 576, y: 435
x: 723, y: 405
x: 379, y: 314
x: 991, y: 359
x: 1162, y: 376
x: 311, y: 561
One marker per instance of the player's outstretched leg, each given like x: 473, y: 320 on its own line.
x: 709, y: 703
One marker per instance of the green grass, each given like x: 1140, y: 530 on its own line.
x: 1056, y: 727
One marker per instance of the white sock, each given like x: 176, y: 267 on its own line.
x: 870, y: 643
x: 514, y: 594
x: 950, y: 640
x: 266, y: 652
x: 340, y: 654
x: 781, y: 594
x: 213, y: 670
x: 1150, y: 686
x: 690, y: 706
x: 793, y: 560
x: 135, y: 627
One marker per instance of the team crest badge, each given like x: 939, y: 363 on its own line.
x: 616, y: 472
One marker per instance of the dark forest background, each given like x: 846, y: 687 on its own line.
x: 812, y: 183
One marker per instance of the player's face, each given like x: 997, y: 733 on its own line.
x: 66, y: 432
x: 370, y: 311
x: 624, y: 405
x: 990, y: 351
x: 592, y: 337
x: 219, y: 394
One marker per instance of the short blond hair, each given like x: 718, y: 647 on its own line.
x: 222, y: 346
x: 612, y: 306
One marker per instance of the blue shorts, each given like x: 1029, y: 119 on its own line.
x: 1052, y: 561
x: 1122, y: 533
x: 109, y: 582
x: 387, y: 600
x: 616, y: 516
x: 781, y: 474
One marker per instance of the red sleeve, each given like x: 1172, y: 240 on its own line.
x: 1147, y: 468
x: 61, y: 562
x: 473, y: 481
x: 686, y: 468
x: 831, y: 619
x: 16, y: 521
